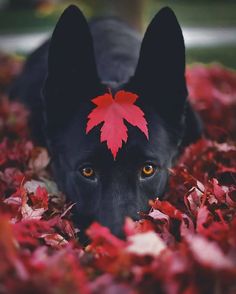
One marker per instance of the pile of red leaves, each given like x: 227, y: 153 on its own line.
x: 186, y: 244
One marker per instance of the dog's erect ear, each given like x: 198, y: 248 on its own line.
x: 160, y: 73
x: 72, y: 74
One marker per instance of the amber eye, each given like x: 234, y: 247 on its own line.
x: 148, y: 170
x: 87, y: 172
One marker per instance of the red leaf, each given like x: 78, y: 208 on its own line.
x: 102, y: 236
x: 168, y: 209
x: 40, y: 198
x: 113, y: 112
x: 209, y: 254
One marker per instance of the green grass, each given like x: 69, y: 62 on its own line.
x: 18, y: 21
x: 189, y: 13
x: 225, y: 55
x: 199, y: 13
x: 30, y: 20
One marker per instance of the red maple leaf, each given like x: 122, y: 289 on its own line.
x: 113, y: 112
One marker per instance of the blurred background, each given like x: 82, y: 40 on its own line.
x: 209, y: 26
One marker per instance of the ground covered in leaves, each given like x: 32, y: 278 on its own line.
x: 185, y: 244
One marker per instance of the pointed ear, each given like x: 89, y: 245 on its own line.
x: 160, y: 73
x: 72, y: 74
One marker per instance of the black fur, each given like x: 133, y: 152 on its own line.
x: 83, y: 61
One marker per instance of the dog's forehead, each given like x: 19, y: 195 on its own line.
x: 81, y: 147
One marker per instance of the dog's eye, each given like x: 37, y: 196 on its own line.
x: 88, y: 172
x: 148, y: 170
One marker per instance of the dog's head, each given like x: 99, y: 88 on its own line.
x: 105, y: 189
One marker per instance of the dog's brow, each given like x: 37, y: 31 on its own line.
x: 93, y: 153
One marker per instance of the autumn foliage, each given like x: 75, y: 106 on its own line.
x: 185, y: 244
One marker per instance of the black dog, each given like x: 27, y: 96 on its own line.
x: 84, y: 61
